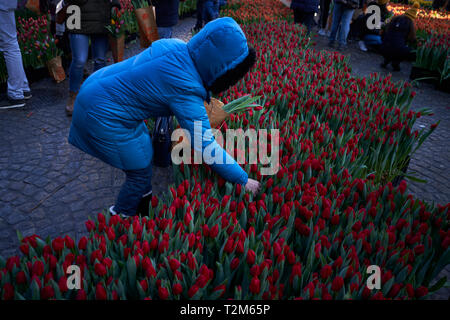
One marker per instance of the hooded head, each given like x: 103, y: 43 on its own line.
x: 221, y: 54
x: 412, y: 12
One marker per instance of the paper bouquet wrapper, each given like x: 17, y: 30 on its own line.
x: 148, y: 31
x: 117, y: 47
x: 216, y: 117
x: 56, y: 69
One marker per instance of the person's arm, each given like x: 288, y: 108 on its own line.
x: 187, y: 110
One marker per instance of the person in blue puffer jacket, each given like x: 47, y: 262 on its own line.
x: 170, y: 77
x: 304, y: 11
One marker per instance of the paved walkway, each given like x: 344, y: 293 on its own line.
x: 50, y: 188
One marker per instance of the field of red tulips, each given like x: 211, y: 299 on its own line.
x: 329, y: 213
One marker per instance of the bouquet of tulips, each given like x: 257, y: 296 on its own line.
x: 145, y: 15
x: 38, y: 46
x: 116, y: 32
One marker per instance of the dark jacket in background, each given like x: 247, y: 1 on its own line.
x: 363, y: 24
x: 166, y: 12
x: 400, y: 30
x: 95, y: 16
x: 305, y: 5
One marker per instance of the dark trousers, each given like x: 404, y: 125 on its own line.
x: 305, y: 18
x: 137, y: 184
x: 199, y: 23
x: 395, y: 55
x: 324, y: 8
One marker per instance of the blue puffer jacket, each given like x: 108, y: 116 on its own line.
x: 168, y: 78
x: 305, y: 5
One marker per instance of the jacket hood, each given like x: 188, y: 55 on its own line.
x: 218, y: 47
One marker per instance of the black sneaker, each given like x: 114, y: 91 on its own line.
x: 27, y: 95
x: 12, y: 103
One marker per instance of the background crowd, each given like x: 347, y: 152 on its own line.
x: 338, y: 20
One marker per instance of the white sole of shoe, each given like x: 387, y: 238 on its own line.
x: 13, y: 106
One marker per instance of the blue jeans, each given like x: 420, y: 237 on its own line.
x: 342, y: 17
x: 210, y: 10
x: 138, y: 183
x: 165, y: 32
x: 17, y: 80
x: 372, y: 40
x: 79, y: 43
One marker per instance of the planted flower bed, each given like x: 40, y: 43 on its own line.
x: 312, y: 231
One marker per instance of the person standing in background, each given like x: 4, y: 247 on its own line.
x: 166, y: 16
x: 210, y: 10
x: 304, y: 11
x: 18, y: 89
x: 342, y: 17
x: 323, y: 18
x: 199, y: 14
x: 95, y: 16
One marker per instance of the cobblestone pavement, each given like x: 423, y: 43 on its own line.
x: 50, y: 188
x: 47, y: 186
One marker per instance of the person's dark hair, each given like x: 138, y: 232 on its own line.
x: 232, y: 76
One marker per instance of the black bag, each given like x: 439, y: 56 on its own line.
x: 161, y: 140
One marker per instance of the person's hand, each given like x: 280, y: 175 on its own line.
x: 252, y: 186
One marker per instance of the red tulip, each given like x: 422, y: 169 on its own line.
x: 82, y: 244
x: 337, y: 284
x: 326, y: 271
x: 100, y: 269
x: 177, y: 289
x: 251, y: 257
x: 192, y: 290
x: 174, y: 264
x: 255, y: 285
x: 100, y: 292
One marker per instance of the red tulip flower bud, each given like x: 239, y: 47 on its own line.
x: 47, y: 292
x: 251, y: 256
x: 234, y: 263
x: 100, y: 292
x: 177, y: 289
x: 38, y: 268
x: 163, y: 293
x: 337, y: 284
x: 174, y: 264
x: 326, y: 272
x: 255, y: 285
x: 214, y: 231
x: 192, y: 291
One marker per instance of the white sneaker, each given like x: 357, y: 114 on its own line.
x: 113, y: 213
x: 322, y: 32
x: 362, y: 46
